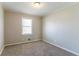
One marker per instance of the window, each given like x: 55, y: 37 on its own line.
x: 26, y: 26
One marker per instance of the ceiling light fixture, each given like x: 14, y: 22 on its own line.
x: 36, y: 4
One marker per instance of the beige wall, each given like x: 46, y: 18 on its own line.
x: 13, y: 28
x: 1, y: 29
x: 62, y: 28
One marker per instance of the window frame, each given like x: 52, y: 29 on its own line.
x: 26, y: 33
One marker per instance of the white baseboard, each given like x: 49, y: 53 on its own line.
x: 21, y: 42
x: 62, y: 47
x: 1, y: 50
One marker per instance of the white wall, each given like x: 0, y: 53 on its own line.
x: 13, y: 28
x: 62, y: 28
x: 1, y: 29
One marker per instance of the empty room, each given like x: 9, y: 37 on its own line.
x: 39, y: 28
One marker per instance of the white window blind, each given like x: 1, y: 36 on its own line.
x: 26, y: 26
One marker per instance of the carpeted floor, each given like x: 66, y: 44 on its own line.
x: 38, y: 48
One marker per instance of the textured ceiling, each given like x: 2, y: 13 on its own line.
x: 26, y: 7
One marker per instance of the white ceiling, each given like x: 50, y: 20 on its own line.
x: 26, y: 7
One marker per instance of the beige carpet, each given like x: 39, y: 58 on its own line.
x: 38, y: 48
